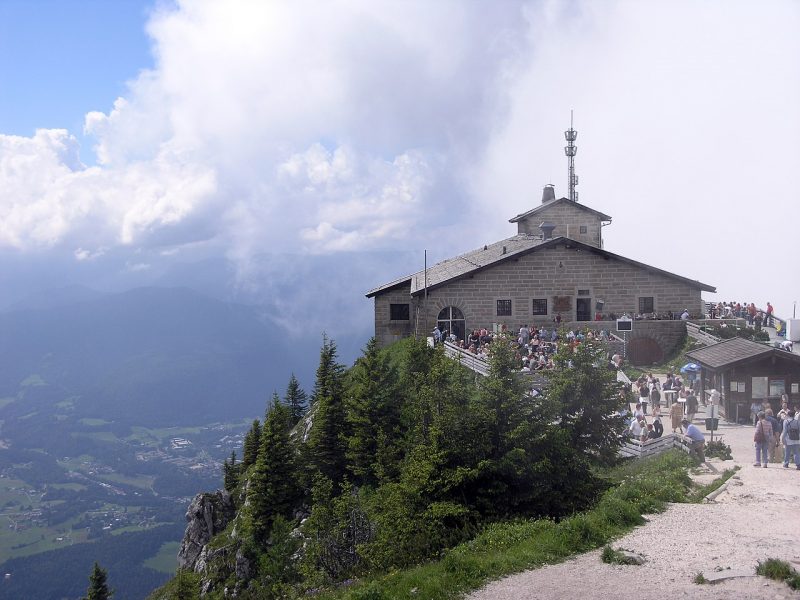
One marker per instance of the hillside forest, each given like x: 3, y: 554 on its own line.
x: 399, y: 458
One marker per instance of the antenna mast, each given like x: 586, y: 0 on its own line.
x: 570, y: 149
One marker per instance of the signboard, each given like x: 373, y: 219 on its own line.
x: 624, y: 325
x: 712, y: 412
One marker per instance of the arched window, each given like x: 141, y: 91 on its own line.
x: 451, y: 320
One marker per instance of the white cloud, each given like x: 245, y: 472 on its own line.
x: 324, y: 127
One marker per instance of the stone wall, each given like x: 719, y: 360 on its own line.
x: 387, y: 330
x: 568, y: 219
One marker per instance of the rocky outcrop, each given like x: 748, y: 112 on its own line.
x: 207, y: 515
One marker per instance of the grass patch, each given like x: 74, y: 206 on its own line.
x: 700, y: 579
x: 617, y: 557
x: 644, y: 486
x: 91, y: 422
x: 779, y: 570
x: 166, y: 559
x: 774, y: 568
x: 705, y: 490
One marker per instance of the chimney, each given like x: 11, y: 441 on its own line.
x: 547, y: 229
x: 549, y: 193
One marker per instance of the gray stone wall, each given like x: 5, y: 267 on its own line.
x: 568, y: 220
x: 386, y: 330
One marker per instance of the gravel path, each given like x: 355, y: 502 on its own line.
x: 756, y: 517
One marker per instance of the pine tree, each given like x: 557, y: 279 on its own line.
x: 296, y: 399
x: 230, y: 472
x: 586, y: 395
x: 504, y: 400
x: 272, y: 491
x: 252, y: 440
x: 326, y: 444
x: 98, y: 585
x: 373, y: 416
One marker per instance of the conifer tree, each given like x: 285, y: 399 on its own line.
x: 586, y: 395
x: 373, y: 416
x: 326, y: 444
x: 252, y: 440
x: 98, y: 585
x: 296, y: 399
x: 272, y: 489
x: 504, y: 400
x: 230, y: 472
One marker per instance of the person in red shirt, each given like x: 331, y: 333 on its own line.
x: 769, y: 314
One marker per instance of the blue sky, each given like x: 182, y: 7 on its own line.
x: 321, y: 130
x: 61, y: 58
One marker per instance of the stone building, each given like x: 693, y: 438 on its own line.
x: 554, y: 265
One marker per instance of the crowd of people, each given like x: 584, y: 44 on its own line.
x: 649, y: 392
x: 773, y: 431
x: 755, y: 316
x: 535, y: 347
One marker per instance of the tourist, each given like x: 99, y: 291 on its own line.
x: 691, y: 405
x: 777, y: 429
x: 791, y: 439
x: 676, y: 414
x: 638, y: 413
x: 762, y: 439
x: 770, y: 310
x: 655, y: 397
x: 635, y: 429
x: 644, y: 396
x: 658, y: 427
x: 697, y: 441
x: 783, y: 413
x: 755, y: 407
x: 437, y: 335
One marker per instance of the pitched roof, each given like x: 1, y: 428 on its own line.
x: 452, y: 268
x: 550, y: 203
x: 513, y: 247
x: 734, y: 351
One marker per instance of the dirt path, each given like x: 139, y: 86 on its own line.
x: 756, y: 517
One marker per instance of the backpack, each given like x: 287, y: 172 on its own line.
x: 794, y: 430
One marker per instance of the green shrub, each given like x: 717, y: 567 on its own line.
x: 774, y: 568
x: 718, y: 449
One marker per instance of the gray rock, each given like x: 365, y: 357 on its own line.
x: 208, y: 514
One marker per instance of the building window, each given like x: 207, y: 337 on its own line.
x: 759, y: 388
x: 776, y: 388
x: 399, y: 312
x: 646, y: 305
x: 539, y: 306
x: 584, y: 229
x: 504, y: 308
x: 584, y: 293
x: 451, y: 321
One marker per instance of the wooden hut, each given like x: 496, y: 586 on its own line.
x: 742, y: 370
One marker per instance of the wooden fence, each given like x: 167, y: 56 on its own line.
x: 637, y: 449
